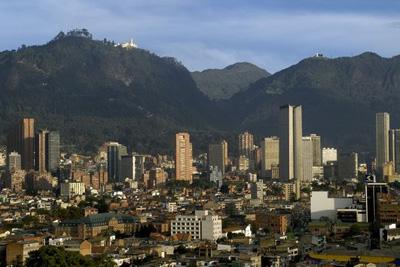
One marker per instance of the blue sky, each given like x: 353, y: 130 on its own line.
x: 215, y: 33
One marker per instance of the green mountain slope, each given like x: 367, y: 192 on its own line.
x: 92, y: 92
x: 223, y: 83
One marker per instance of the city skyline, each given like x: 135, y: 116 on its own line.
x: 284, y: 150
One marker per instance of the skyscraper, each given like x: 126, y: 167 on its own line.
x: 115, y: 151
x: 216, y: 157
x: 348, y: 166
x: 225, y: 148
x: 307, y: 154
x: 183, y: 157
x: 128, y: 167
x: 47, y: 151
x: 21, y: 139
x: 53, y: 151
x: 269, y: 155
x: 40, y: 151
x: 394, y: 148
x: 246, y: 147
x: 290, y: 144
x: 317, y: 152
x: 382, y: 125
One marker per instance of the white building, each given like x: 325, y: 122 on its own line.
x: 329, y: 154
x: 324, y: 206
x: 201, y: 225
x: 69, y: 189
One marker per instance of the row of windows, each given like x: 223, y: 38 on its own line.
x: 184, y: 223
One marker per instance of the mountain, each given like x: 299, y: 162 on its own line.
x: 93, y: 91
x: 339, y: 96
x: 223, y: 83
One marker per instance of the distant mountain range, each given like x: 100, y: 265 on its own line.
x: 224, y: 83
x: 93, y: 91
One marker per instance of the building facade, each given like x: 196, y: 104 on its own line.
x: 382, y: 125
x: 290, y: 145
x: 183, y: 157
x: 269, y: 155
x: 202, y: 225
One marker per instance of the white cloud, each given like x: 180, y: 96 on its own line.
x: 205, y: 34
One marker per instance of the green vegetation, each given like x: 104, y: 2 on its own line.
x: 224, y: 83
x: 50, y: 256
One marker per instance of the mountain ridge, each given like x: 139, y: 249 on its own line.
x: 223, y: 83
x: 93, y: 92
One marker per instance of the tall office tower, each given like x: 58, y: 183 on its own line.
x: 290, y: 145
x: 128, y: 167
x: 216, y: 157
x: 246, y: 145
x: 183, y: 157
x: 21, y: 139
x: 308, y: 159
x: 382, y: 125
x: 14, y: 161
x: 394, y: 148
x: 269, y: 155
x: 225, y: 148
x: 115, y: 151
x: 47, y: 151
x: 347, y: 166
x: 53, y: 151
x: 40, y: 151
x: 329, y: 154
x: 317, y: 153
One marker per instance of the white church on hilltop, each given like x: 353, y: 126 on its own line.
x: 128, y: 45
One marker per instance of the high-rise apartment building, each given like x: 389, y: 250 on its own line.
x: 246, y: 148
x: 394, y: 148
x: 308, y: 159
x: 382, y: 127
x: 290, y: 145
x: 269, y: 155
x: 246, y: 144
x: 21, y: 139
x: 317, y: 153
x: 183, y: 157
x: 115, y: 151
x: 14, y: 161
x: 216, y: 156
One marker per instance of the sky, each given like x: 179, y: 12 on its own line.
x: 272, y: 34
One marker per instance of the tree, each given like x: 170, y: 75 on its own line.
x: 51, y: 256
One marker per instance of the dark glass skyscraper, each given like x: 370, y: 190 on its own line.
x: 53, y: 151
x: 115, y: 151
